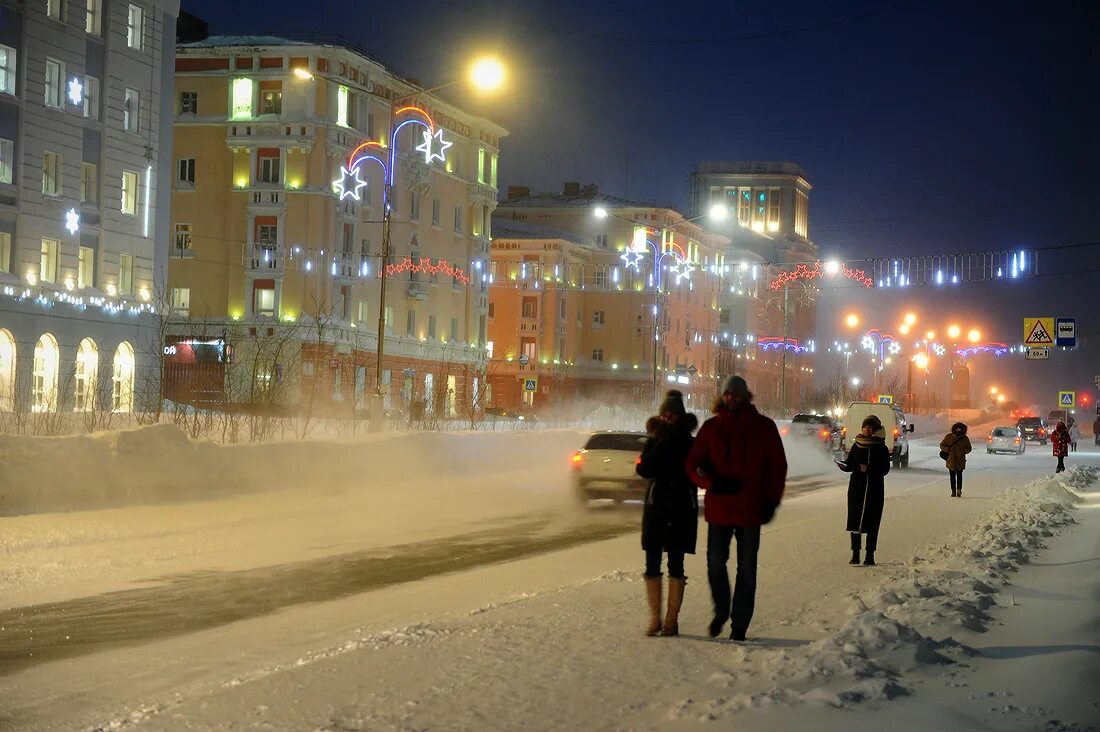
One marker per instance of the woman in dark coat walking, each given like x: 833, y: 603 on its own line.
x: 869, y: 462
x: 957, y: 446
x: 670, y: 519
x: 1060, y: 442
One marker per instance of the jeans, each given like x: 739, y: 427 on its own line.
x: 653, y: 563
x: 956, y: 480
x: 744, y: 590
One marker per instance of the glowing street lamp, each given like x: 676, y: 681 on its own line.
x: 1000, y: 398
x: 600, y: 212
x: 718, y: 212
x: 832, y: 267
x: 921, y: 360
x: 974, y: 335
x: 910, y: 319
x: 486, y: 74
x: 953, y: 332
x: 852, y: 320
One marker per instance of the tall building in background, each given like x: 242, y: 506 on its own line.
x: 274, y: 274
x: 85, y: 160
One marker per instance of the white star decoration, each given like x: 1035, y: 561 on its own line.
x: 895, y: 348
x: 72, y: 221
x: 76, y: 91
x: 867, y: 343
x: 631, y: 258
x: 348, y: 184
x: 428, y: 147
x: 682, y: 270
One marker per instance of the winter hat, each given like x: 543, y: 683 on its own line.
x: 874, y: 422
x: 736, y: 385
x: 959, y: 428
x: 673, y: 403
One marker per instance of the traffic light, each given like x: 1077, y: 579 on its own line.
x: 1085, y: 399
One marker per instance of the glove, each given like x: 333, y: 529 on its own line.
x: 767, y: 511
x: 724, y: 486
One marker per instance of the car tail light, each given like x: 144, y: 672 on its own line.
x: 824, y: 434
x: 638, y: 461
x: 784, y: 431
x: 1016, y: 441
x: 578, y: 460
x: 896, y: 432
x: 1042, y: 431
x: 989, y: 439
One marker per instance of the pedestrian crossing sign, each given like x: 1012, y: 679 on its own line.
x: 885, y: 398
x: 531, y: 384
x: 1067, y: 399
x: 1038, y: 331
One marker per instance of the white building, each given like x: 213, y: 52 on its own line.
x: 85, y: 160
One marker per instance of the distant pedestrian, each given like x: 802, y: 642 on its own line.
x: 869, y: 463
x: 956, y: 446
x: 1096, y: 431
x: 670, y: 519
x: 738, y: 459
x: 1074, y: 436
x: 1060, y: 441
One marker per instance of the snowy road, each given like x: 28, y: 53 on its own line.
x: 299, y: 609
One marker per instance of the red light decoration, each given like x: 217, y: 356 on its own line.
x: 424, y: 265
x: 817, y: 271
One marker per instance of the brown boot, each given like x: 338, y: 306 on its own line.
x: 675, y: 600
x: 653, y: 586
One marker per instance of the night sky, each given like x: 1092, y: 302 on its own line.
x: 926, y: 127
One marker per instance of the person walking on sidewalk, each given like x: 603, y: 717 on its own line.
x: 869, y: 463
x: 670, y: 519
x: 738, y: 459
x: 1060, y: 442
x: 1074, y: 436
x: 956, y: 445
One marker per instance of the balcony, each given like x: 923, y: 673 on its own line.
x: 346, y: 265
x: 265, y: 259
x: 417, y: 291
x: 245, y: 135
x: 482, y: 195
x: 268, y: 197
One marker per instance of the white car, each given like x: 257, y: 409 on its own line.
x: 1005, y: 439
x: 897, y: 427
x: 604, y: 467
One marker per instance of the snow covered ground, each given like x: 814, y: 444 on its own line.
x: 450, y: 581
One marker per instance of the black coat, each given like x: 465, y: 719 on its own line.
x: 866, y: 491
x: 670, y: 519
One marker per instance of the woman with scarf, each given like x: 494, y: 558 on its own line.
x: 1060, y: 442
x: 670, y: 518
x: 957, y: 446
x: 869, y: 462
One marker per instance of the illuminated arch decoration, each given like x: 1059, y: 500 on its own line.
x: 681, y: 267
x: 424, y: 266
x: 997, y: 348
x: 817, y: 271
x: 775, y: 343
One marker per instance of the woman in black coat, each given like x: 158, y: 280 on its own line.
x: 869, y: 462
x: 670, y: 519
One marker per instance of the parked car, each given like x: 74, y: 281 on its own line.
x: 893, y: 420
x: 1005, y: 439
x: 1034, y: 429
x: 604, y: 467
x: 827, y: 431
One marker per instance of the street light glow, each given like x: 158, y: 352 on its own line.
x: 992, y: 390
x: 904, y: 328
x: 953, y: 331
x: 832, y: 267
x: 855, y: 381
x: 600, y: 212
x: 910, y: 319
x: 921, y: 360
x: 718, y: 212
x: 974, y: 335
x: 852, y: 320
x: 302, y: 73
x: 930, y: 335
x: 487, y: 74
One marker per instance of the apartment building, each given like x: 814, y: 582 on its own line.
x: 274, y: 275
x: 85, y: 159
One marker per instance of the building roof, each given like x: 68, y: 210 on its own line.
x: 513, y: 229
x: 749, y: 167
x: 588, y: 196
x: 211, y: 41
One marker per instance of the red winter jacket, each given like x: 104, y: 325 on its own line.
x: 744, y: 446
x: 1059, y: 440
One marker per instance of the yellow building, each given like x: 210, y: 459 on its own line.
x: 273, y: 280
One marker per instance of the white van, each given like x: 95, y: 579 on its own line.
x: 893, y: 420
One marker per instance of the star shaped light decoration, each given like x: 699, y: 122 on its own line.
x: 631, y: 258
x: 867, y: 343
x: 431, y: 150
x: 76, y: 91
x: 72, y: 221
x: 348, y: 184
x: 682, y: 270
x: 895, y: 348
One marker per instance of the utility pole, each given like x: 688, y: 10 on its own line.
x: 783, y: 369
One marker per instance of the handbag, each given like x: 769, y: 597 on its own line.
x: 944, y: 454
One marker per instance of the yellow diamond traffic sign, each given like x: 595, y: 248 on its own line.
x: 1038, y: 331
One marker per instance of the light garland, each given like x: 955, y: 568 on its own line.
x: 49, y: 298
x: 817, y: 271
x: 997, y: 348
x: 76, y: 91
x: 72, y: 221
x: 424, y: 265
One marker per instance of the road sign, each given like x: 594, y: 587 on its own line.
x: 531, y: 385
x: 1065, y: 333
x: 1038, y: 331
x: 1067, y: 399
x: 692, y: 370
x: 1037, y: 353
x: 885, y: 398
x: 523, y: 359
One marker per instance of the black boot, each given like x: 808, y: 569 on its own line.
x: 855, y: 549
x: 738, y: 634
x: 716, y: 626
x: 869, y: 560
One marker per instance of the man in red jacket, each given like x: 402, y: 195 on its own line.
x: 738, y: 459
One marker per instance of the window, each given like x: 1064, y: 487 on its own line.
x: 267, y: 235
x: 481, y: 165
x: 85, y: 270
x: 189, y: 102
x: 492, y: 309
x: 431, y: 326
x: 183, y: 238
x: 598, y: 318
x: 5, y: 251
x: 181, y: 301
x: 91, y: 97
x: 363, y: 315
x: 47, y: 360
x: 54, y: 11
x: 527, y: 348
x: 85, y: 371
x: 92, y: 18
x: 601, y: 277
x: 7, y: 371
x: 601, y: 241
x: 435, y: 212
x: 268, y: 164
x: 186, y: 171
x: 263, y: 302
x: 493, y: 171
x: 454, y: 329
x: 7, y: 160
x: 342, y: 95
x: 7, y: 70
x: 125, y: 274
x: 389, y: 317
x: 530, y: 307
x: 129, y: 193
x: 410, y: 323
x: 88, y: 188
x: 47, y: 262
x: 414, y: 206
x: 241, y: 108
x: 131, y: 110
x: 597, y: 354
x: 54, y: 95
x: 774, y: 197
x: 135, y: 27
x: 271, y: 97
x: 51, y: 173
x: 458, y: 219
x: 122, y: 378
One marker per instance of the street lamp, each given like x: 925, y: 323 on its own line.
x: 486, y: 74
x: 852, y: 320
x: 974, y: 335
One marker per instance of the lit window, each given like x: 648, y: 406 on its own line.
x: 481, y: 165
x: 597, y: 354
x: 186, y: 171
x: 5, y: 251
x: 242, y: 99
x: 122, y: 379
x: 85, y: 270
x: 47, y: 360
x: 91, y: 19
x: 269, y: 168
x: 129, y: 193
x: 7, y: 70
x: 88, y: 188
x: 131, y: 110
x: 271, y: 97
x: 85, y: 372
x: 51, y: 173
x: 189, y: 102
x: 493, y: 171
x: 264, y: 302
x: 7, y: 368
x: 91, y: 97
x: 7, y: 160
x: 47, y: 262
x: 54, y: 10
x: 54, y: 92
x: 135, y: 27
x: 183, y: 239
x: 435, y: 212
x: 125, y: 274
x: 342, y: 95
x: 181, y: 301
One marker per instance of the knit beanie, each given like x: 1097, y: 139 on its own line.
x: 673, y: 403
x: 735, y: 385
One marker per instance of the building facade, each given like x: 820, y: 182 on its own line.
x: 274, y: 276
x: 85, y: 159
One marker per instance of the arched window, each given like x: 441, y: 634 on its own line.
x: 47, y: 359
x: 7, y: 371
x: 85, y: 373
x: 122, y: 380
